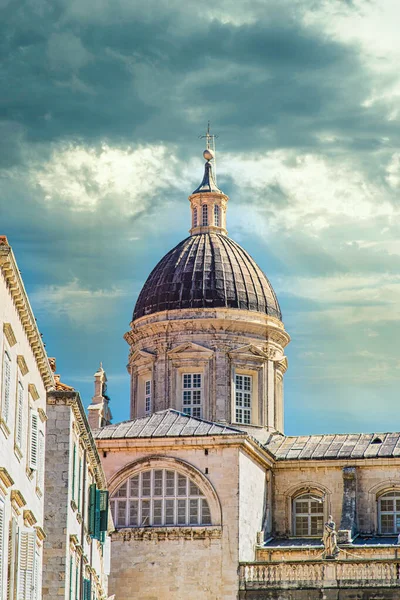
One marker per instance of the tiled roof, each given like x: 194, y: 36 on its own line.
x: 207, y: 270
x: 331, y: 446
x: 165, y: 423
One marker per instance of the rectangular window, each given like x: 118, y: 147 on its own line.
x: 147, y: 399
x: 26, y: 571
x: 204, y: 215
x: 243, y: 390
x: 192, y: 394
x: 12, y: 569
x: 5, y: 400
x: 19, y: 415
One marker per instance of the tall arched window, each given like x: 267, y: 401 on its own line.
x: 195, y: 217
x: 216, y: 216
x: 389, y: 512
x: 159, y: 497
x: 204, y: 214
x: 308, y: 515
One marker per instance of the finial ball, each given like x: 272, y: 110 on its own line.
x: 208, y: 154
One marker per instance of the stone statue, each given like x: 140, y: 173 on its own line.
x: 330, y: 539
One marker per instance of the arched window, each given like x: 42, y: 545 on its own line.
x: 308, y: 515
x: 389, y: 512
x: 216, y: 216
x: 205, y: 214
x: 195, y: 217
x: 159, y: 497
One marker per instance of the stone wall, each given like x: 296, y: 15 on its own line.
x: 178, y: 562
x: 252, y: 504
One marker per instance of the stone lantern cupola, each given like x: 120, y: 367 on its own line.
x: 208, y: 203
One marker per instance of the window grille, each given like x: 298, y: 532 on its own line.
x: 195, y: 217
x: 204, y: 215
x: 159, y: 497
x: 389, y: 513
x: 308, y: 516
x: 216, y: 216
x: 192, y: 394
x: 243, y: 391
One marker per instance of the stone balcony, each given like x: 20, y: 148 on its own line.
x: 317, y: 574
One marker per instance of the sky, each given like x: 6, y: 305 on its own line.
x: 101, y: 107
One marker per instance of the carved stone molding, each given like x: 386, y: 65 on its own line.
x: 23, y: 367
x: 9, y: 333
x: 159, y: 534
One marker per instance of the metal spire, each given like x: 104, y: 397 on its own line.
x: 210, y: 145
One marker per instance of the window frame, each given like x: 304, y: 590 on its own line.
x: 148, y: 397
x: 195, y: 216
x: 143, y: 490
x: 5, y: 407
x: 308, y: 497
x: 243, y: 392
x: 393, y: 494
x: 19, y: 415
x: 204, y: 215
x: 217, y: 215
x: 190, y: 405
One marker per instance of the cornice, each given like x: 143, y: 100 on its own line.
x: 160, y: 534
x: 6, y: 478
x: 73, y: 399
x: 210, y: 320
x: 9, y: 269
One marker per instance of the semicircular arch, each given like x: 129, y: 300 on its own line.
x: 173, y: 464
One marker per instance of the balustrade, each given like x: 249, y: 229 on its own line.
x: 319, y: 574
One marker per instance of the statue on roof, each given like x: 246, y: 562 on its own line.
x: 329, y: 539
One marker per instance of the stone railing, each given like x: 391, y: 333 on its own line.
x: 320, y: 574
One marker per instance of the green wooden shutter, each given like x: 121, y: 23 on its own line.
x: 73, y: 472
x: 97, y: 516
x: 103, y: 510
x: 92, y: 509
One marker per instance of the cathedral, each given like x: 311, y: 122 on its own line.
x: 200, y: 494
x: 209, y: 498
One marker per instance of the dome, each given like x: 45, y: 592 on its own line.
x: 207, y: 270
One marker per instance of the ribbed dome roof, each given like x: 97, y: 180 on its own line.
x: 207, y: 270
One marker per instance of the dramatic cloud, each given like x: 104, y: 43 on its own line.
x: 100, y: 110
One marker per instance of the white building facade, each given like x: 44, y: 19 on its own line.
x: 25, y: 379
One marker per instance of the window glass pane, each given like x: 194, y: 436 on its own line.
x: 205, y: 513
x: 301, y: 507
x: 146, y: 483
x: 301, y: 526
x: 170, y: 483
x: 239, y: 382
x: 121, y: 492
x: 193, y: 512
x: 121, y: 513
x: 145, y: 513
x: 134, y: 513
x: 398, y: 505
x: 157, y: 512
x: 134, y: 487
x: 187, y: 381
x: 387, y: 505
x: 247, y: 383
x: 158, y: 483
x: 169, y: 512
x: 316, y: 507
x: 397, y: 523
x: 181, y: 485
x: 317, y: 524
x: 181, y: 512
x: 197, y: 380
x: 387, y: 523
x: 193, y: 489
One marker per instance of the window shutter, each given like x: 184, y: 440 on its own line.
x: 12, y: 559
x: 97, y: 516
x: 79, y: 484
x: 34, y: 439
x: 73, y: 472
x: 20, y: 408
x: 103, y: 510
x: 92, y: 509
x: 37, y: 586
x: 107, y: 556
x: 26, y: 574
x: 2, y: 528
x: 5, y: 408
